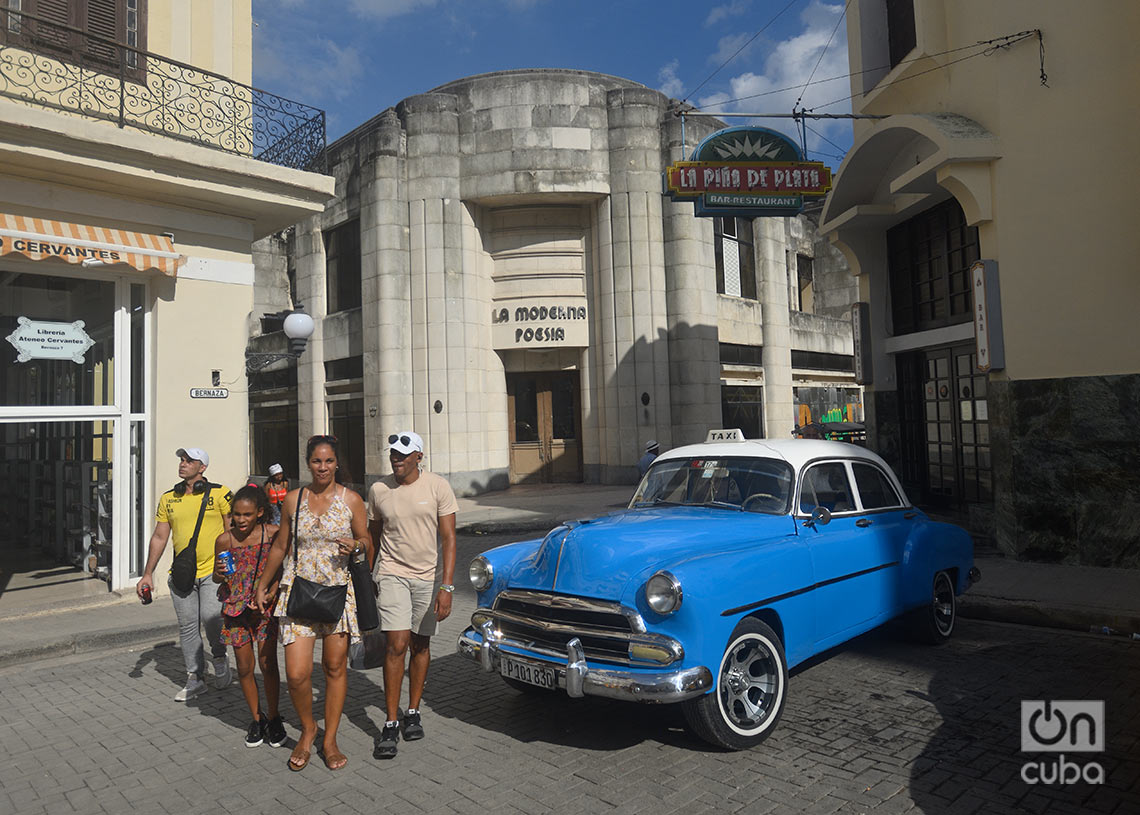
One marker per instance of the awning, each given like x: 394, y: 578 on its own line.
x: 41, y: 239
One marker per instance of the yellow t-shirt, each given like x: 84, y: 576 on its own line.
x: 409, y: 543
x: 181, y: 512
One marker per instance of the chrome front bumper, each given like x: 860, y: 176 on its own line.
x: 578, y: 679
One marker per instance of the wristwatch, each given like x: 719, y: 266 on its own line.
x: 447, y: 587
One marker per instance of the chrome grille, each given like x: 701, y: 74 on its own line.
x: 547, y: 622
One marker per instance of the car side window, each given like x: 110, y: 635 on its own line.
x: 826, y: 485
x: 875, y: 490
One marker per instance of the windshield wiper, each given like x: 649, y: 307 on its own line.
x: 720, y: 504
x: 657, y: 502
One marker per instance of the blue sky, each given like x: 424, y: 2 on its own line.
x: 354, y: 58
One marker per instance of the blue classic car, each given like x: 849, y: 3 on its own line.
x: 735, y: 561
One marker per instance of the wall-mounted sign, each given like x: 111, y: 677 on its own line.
x: 988, y: 339
x: 34, y: 339
x: 209, y: 393
x: 748, y: 172
x: 861, y: 335
x: 539, y: 322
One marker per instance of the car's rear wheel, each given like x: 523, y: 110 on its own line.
x: 934, y: 622
x: 748, y: 698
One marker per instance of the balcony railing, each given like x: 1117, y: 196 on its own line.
x: 64, y: 68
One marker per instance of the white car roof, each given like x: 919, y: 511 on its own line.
x: 797, y: 452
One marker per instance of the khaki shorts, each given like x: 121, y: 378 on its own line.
x: 407, y: 605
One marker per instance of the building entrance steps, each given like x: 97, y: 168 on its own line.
x: 1056, y: 596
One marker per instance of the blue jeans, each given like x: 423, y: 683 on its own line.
x: 195, y: 609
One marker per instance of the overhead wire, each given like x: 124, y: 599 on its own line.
x: 738, y: 50
x: 822, y: 53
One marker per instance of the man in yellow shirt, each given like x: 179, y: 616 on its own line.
x: 198, y: 607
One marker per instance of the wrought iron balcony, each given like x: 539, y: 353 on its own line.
x: 57, y: 66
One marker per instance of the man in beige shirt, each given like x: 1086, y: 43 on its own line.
x: 410, y: 512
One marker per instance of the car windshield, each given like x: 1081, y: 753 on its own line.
x: 750, y: 484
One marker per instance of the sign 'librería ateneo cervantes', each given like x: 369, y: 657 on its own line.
x: 748, y: 172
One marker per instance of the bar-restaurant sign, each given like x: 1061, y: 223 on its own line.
x: 748, y: 172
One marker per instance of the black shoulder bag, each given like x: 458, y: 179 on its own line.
x: 184, y: 569
x: 308, y: 600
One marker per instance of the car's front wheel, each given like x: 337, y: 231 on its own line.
x: 934, y: 623
x: 751, y: 685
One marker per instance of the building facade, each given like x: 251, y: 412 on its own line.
x: 500, y: 271
x: 985, y: 108
x: 137, y: 167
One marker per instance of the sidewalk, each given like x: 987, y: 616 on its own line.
x: 1070, y: 597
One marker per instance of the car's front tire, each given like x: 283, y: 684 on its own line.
x: 934, y: 622
x: 748, y: 698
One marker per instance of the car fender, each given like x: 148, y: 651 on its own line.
x: 720, y: 589
x: 932, y: 547
x: 504, y: 560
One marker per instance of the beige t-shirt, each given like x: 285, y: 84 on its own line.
x: 409, y: 542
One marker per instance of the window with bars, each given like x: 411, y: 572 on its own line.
x: 929, y: 259
x: 60, y: 27
x: 735, y: 259
x: 346, y: 422
x: 342, y: 267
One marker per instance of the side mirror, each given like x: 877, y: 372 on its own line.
x: 819, y: 515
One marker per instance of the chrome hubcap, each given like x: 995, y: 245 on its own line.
x: 750, y: 683
x: 943, y: 604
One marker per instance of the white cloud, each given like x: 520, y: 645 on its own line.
x: 669, y: 83
x: 384, y: 9
x: 733, y: 9
x: 308, y: 70
x: 788, y: 65
x: 728, y: 46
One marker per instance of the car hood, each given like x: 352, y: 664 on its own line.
x: 598, y: 558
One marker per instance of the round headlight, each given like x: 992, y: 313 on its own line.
x: 481, y: 573
x: 663, y: 593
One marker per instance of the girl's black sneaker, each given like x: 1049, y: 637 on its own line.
x: 274, y: 730
x: 254, y: 735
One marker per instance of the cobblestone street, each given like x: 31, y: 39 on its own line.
x: 879, y: 725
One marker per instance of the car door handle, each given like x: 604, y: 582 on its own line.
x: 910, y: 515
x: 863, y: 522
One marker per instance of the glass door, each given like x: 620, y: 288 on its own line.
x: 545, y: 427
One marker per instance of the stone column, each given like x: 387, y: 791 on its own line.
x: 312, y: 413
x: 691, y: 299
x: 771, y: 266
x: 386, y: 318
x: 638, y: 353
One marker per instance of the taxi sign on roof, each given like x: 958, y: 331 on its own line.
x: 725, y: 434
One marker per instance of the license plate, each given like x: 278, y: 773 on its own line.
x: 525, y: 672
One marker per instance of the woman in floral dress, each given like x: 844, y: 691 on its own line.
x: 331, y: 526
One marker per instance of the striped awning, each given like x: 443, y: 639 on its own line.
x: 41, y: 239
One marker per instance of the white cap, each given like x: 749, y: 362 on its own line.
x: 275, y: 469
x: 406, y: 441
x: 195, y: 453
x: 651, y: 445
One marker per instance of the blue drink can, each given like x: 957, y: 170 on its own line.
x: 227, y: 559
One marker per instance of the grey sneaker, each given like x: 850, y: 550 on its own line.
x: 195, y: 687
x: 222, y: 675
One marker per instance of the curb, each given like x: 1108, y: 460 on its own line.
x: 1027, y: 612
x: 89, y: 641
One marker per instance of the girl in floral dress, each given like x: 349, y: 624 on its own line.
x: 248, y: 543
x: 331, y: 526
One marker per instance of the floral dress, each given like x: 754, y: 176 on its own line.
x: 241, y: 625
x: 319, y: 560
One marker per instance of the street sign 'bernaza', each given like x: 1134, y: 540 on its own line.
x: 748, y: 172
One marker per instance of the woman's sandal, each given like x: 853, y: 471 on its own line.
x: 338, y: 759
x: 304, y: 755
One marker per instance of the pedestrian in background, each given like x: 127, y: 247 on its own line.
x: 193, y: 510
x: 651, y: 451
x: 330, y: 526
x: 247, y: 544
x: 410, y: 513
x: 276, y: 488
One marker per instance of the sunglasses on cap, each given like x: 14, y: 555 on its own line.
x: 328, y: 438
x: 404, y: 440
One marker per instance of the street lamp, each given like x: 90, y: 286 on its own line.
x: 298, y: 327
